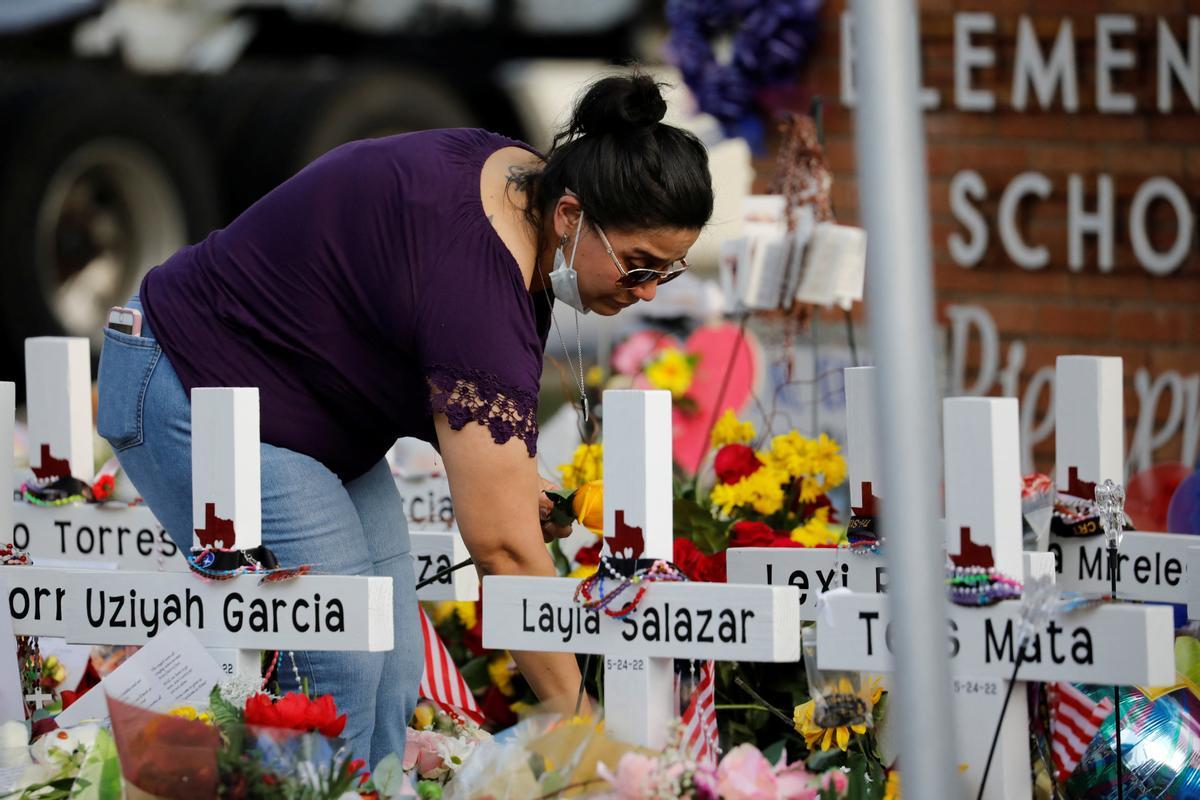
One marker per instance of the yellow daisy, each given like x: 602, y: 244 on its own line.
x: 730, y: 430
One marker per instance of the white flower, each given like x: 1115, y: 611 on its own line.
x: 14, y: 744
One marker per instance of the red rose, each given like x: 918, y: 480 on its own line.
x: 321, y: 715
x: 747, y: 533
x: 688, y: 557
x: 102, y: 489
x: 589, y: 556
x: 734, y: 462
x: 712, y: 568
x: 496, y: 708
x: 295, y: 712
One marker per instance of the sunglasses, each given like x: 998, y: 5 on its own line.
x: 639, y: 276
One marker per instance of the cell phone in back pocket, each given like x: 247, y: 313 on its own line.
x: 125, y: 320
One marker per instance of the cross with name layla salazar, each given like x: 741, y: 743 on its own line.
x: 672, y: 619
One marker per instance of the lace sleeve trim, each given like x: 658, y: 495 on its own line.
x: 469, y: 395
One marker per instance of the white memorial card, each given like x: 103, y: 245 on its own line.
x: 173, y: 668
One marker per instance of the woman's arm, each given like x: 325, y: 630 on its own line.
x: 496, y: 490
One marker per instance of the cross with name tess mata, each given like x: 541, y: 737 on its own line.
x: 315, y: 612
x: 674, y: 620
x: 819, y: 570
x: 1110, y: 644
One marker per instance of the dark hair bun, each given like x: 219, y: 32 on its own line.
x: 621, y: 106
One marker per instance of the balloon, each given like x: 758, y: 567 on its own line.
x: 1160, y: 739
x: 1183, y: 514
x: 1149, y: 493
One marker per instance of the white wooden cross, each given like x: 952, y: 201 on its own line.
x: 1089, y: 442
x: 106, y: 606
x: 674, y: 620
x: 816, y: 570
x: 59, y: 403
x: 1113, y: 643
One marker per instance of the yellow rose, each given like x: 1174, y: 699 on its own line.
x: 422, y: 717
x: 588, y: 505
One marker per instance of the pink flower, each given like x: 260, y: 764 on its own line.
x: 421, y: 751
x: 634, y: 779
x: 745, y: 774
x: 629, y: 356
x: 835, y: 780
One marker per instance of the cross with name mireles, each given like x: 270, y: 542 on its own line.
x: 244, y: 613
x: 816, y: 570
x: 1089, y: 444
x: 673, y: 620
x: 1112, y: 643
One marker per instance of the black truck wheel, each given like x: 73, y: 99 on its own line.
x: 98, y: 184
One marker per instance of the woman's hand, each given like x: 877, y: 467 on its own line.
x: 550, y: 530
x: 496, y: 490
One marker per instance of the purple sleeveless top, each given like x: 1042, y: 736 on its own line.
x: 361, y: 296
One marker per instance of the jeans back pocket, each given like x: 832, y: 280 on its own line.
x: 126, y: 364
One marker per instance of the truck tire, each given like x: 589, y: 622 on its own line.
x: 268, y: 122
x: 98, y: 184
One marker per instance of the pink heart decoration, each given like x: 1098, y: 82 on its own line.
x: 718, y: 348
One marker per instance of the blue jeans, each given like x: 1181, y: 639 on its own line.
x: 309, y: 516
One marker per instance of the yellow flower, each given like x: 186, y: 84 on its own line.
x: 583, y: 571
x: 817, y: 531
x: 814, y: 734
x: 763, y: 491
x: 588, y: 505
x: 729, y: 430
x: 422, y: 719
x: 500, y: 670
x: 816, y: 463
x: 465, y: 610
x: 671, y: 370
x: 587, y: 464
x: 891, y: 789
x: 189, y: 712
x: 595, y: 375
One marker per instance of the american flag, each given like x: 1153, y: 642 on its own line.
x: 700, y: 720
x: 442, y: 682
x: 1074, y: 720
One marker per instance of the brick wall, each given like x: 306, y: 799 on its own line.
x: 1152, y: 322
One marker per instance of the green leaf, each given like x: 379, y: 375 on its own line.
x: 100, y: 774
x: 1187, y: 658
x: 228, y: 718
x: 773, y: 751
x: 561, y: 564
x: 388, y: 776
x: 563, y: 512
x: 475, y: 673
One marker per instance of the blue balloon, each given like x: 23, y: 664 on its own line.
x: 1183, y: 514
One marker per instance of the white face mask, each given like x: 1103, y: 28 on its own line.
x: 564, y: 279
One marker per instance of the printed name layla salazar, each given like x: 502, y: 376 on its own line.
x: 257, y: 614
x: 648, y: 624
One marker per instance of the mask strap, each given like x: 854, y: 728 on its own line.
x: 575, y: 245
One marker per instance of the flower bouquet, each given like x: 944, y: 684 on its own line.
x: 438, y: 746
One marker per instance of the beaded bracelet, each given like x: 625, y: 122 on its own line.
x: 980, y: 586
x: 591, y: 595
x: 864, y: 542
x: 10, y: 556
